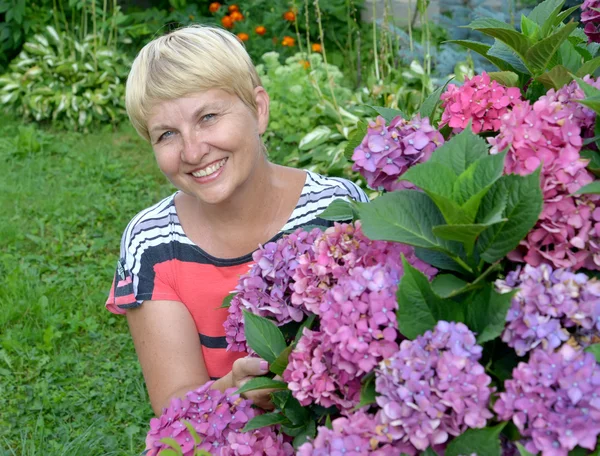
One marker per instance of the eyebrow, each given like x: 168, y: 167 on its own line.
x: 210, y: 106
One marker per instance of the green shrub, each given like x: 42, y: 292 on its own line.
x: 75, y: 84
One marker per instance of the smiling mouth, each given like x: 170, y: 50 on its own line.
x: 209, y: 169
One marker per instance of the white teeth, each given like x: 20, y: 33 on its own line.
x: 210, y: 169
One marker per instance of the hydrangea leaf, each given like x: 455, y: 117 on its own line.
x: 522, y: 450
x: 258, y: 383
x: 591, y: 188
x: 467, y: 234
x: 545, y: 10
x: 227, y: 301
x: 339, y: 210
x: 460, y: 152
x: 506, y: 78
x: 591, y: 102
x: 430, y: 105
x: 482, y: 49
x: 173, y: 444
x: 356, y: 139
x: 523, y: 197
x: 502, y: 32
x: 502, y: 51
x: 263, y: 336
x: 279, y: 365
x: 484, y: 441
x: 419, y: 308
x: 292, y: 409
x: 556, y: 17
x: 367, y: 392
x: 406, y: 216
x: 388, y: 114
x: 539, y: 55
x: 530, y: 28
x: 429, y: 452
x: 472, y: 185
x: 308, y: 432
x: 267, y: 419
x: 594, y: 158
x: 588, y: 67
x: 440, y: 260
x: 447, y: 285
x: 588, y: 89
x: 486, y: 312
x: 556, y: 78
x: 305, y: 324
x: 594, y: 350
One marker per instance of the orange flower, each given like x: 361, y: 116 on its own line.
x: 316, y: 47
x: 236, y: 16
x: 233, y: 8
x: 214, y: 7
x: 260, y: 30
x: 243, y: 36
x: 227, y: 22
x: 289, y: 16
x: 288, y: 41
x: 305, y: 64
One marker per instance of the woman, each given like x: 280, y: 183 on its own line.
x: 194, y: 94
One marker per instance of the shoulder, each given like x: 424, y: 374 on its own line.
x: 330, y: 188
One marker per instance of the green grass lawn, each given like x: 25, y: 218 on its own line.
x: 70, y: 383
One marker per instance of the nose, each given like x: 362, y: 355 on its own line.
x: 193, y: 148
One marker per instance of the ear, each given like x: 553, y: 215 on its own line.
x: 262, y: 108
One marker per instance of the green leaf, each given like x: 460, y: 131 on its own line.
x: 406, y: 216
x: 356, y: 139
x: 503, y: 32
x: 227, y: 301
x: 440, y: 260
x: 482, y: 442
x: 279, y: 365
x: 460, y: 152
x: 432, y: 102
x: 305, y: 324
x: 387, y: 113
x: 263, y: 336
x: 539, y: 55
x: 530, y: 28
x: 295, y: 412
x: 447, y: 285
x: 338, y: 210
x: 556, y: 78
x: 419, y: 308
x: 570, y: 56
x: 429, y: 452
x: 594, y: 158
x: 267, y: 419
x: 592, y: 102
x: 367, y: 392
x: 551, y: 22
x: 566, y: 13
x: 588, y: 89
x: 307, y: 433
x: 467, y: 234
x: 472, y: 185
x: 543, y: 11
x: 506, y: 78
x: 592, y: 188
x: 258, y: 383
x: 594, y: 349
x: 588, y: 67
x: 513, y: 61
x: 522, y: 450
x: 486, y: 312
x: 192, y: 431
x: 172, y: 443
x: 482, y: 49
x: 523, y: 197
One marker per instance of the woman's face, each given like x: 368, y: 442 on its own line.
x: 208, y: 143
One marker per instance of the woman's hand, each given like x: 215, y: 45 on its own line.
x: 245, y: 369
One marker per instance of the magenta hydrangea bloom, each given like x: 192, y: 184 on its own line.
x: 359, y: 323
x: 549, y: 306
x: 332, y: 256
x: 387, y: 151
x: 313, y: 377
x: 433, y: 387
x: 266, y: 289
x: 480, y: 101
x: 218, y: 419
x: 356, y: 435
x: 548, y: 134
x: 554, y: 400
x: 590, y: 16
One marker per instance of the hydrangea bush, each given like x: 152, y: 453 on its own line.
x: 458, y: 313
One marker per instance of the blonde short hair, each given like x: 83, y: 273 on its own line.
x: 188, y: 60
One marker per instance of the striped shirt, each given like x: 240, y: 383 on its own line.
x: 159, y: 262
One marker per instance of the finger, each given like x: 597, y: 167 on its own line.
x: 250, y: 367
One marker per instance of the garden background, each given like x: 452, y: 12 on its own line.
x: 74, y: 172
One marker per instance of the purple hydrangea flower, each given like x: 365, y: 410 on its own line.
x: 387, y: 151
x: 433, y: 387
x: 554, y: 400
x: 218, y: 419
x: 590, y: 16
x: 266, y: 289
x: 550, y: 306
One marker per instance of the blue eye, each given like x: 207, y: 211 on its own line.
x: 165, y: 135
x: 209, y: 116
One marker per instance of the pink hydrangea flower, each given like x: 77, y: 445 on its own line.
x: 333, y: 255
x: 590, y: 16
x: 478, y: 100
x: 218, y: 419
x: 387, y: 151
x: 433, y: 387
x: 313, y: 377
x: 549, y: 307
x: 554, y: 400
x: 548, y: 134
x: 266, y: 289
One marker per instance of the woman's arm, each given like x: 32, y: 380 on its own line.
x: 168, y: 347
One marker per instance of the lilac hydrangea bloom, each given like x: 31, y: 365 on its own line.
x: 218, y: 418
x: 433, y: 387
x: 387, y: 151
x: 590, y: 16
x: 266, y: 289
x: 547, y: 304
x: 554, y: 400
